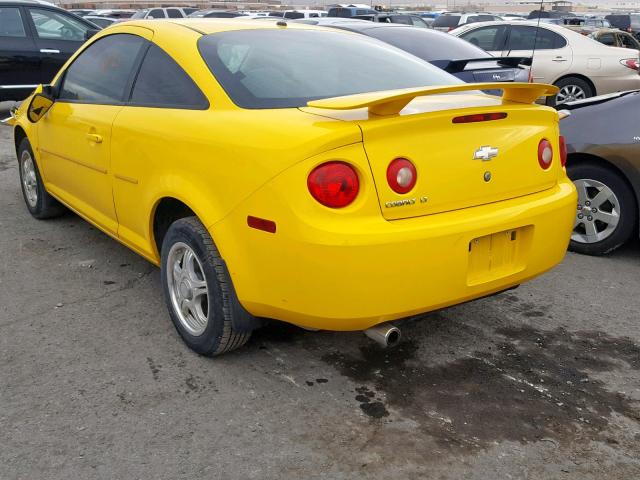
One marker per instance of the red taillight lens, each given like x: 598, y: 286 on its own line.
x: 401, y: 175
x: 545, y: 153
x: 631, y: 63
x: 334, y: 184
x: 480, y: 117
x: 563, y: 151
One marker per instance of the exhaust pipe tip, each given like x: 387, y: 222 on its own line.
x: 385, y: 335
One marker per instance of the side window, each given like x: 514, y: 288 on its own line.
x: 487, y: 38
x: 101, y: 73
x: 57, y: 26
x: 174, y: 13
x: 607, y: 39
x: 161, y: 82
x: 11, y: 23
x: 156, y: 13
x: 627, y: 42
x: 526, y: 38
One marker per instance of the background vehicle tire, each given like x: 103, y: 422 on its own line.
x: 40, y: 204
x: 607, y: 211
x: 571, y: 88
x: 198, y: 290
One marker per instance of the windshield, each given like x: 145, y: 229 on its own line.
x: 288, y: 68
x: 428, y: 45
x: 140, y: 13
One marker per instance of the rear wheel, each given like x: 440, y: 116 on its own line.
x: 571, y: 88
x: 39, y: 203
x: 198, y: 290
x: 607, y: 212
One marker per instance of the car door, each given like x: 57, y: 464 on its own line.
x: 19, y: 56
x: 552, y: 55
x: 169, y: 103
x: 57, y: 36
x: 75, y: 134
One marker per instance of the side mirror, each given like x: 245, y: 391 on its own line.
x: 90, y: 33
x: 39, y: 105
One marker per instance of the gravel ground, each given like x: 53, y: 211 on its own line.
x: 539, y: 382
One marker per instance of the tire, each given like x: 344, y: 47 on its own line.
x: 40, y: 204
x: 207, y: 327
x: 571, y: 84
x: 592, y: 182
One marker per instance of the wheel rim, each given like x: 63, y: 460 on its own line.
x: 598, y: 212
x: 569, y: 93
x: 188, y: 288
x: 29, y: 179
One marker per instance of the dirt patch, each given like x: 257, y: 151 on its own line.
x: 528, y: 386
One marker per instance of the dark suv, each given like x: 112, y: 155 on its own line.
x: 627, y: 22
x: 36, y: 39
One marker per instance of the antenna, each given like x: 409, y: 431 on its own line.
x: 535, y: 39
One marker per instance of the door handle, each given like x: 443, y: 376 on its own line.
x: 94, y: 137
x: 559, y: 59
x: 49, y: 50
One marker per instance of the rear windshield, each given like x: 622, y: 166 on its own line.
x: 288, y: 68
x: 428, y: 45
x: 447, y: 21
x: 620, y: 21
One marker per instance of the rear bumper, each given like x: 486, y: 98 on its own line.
x: 617, y: 84
x: 355, y: 274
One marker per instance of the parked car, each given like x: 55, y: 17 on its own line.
x: 401, y: 18
x: 36, y: 39
x: 217, y: 13
x: 585, y: 26
x: 348, y: 12
x: 451, y: 54
x: 603, y: 146
x: 294, y: 14
x: 616, y: 38
x: 166, y: 12
x: 579, y: 66
x: 101, y: 22
x: 626, y: 22
x: 449, y: 21
x: 120, y: 13
x: 320, y: 200
x: 536, y: 14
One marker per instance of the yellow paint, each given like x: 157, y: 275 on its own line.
x: 342, y: 269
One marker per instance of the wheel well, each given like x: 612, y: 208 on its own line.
x: 167, y: 211
x: 581, y: 77
x: 18, y: 135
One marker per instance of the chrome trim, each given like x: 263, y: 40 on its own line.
x: 49, y: 50
x: 7, y: 87
x: 485, y: 153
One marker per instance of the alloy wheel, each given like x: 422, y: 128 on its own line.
x: 598, y: 212
x: 29, y: 178
x: 569, y: 93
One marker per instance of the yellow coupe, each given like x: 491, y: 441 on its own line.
x: 296, y: 173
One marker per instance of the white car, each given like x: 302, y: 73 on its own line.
x: 579, y: 66
x: 448, y: 21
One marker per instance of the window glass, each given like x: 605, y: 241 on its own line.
x: 288, y: 68
x: 486, y: 38
x: 140, y: 13
x: 450, y: 21
x: 100, y: 74
x: 162, y: 82
x: 402, y: 19
x: 607, y: 39
x: 157, y: 13
x: 11, y: 23
x: 58, y: 26
x: 418, y: 22
x: 527, y: 38
x: 293, y: 15
x: 174, y: 13
x: 627, y: 41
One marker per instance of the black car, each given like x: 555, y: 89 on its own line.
x: 629, y: 22
x: 36, y: 39
x: 603, y: 145
x: 451, y: 54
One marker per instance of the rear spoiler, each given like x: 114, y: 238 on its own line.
x: 456, y: 66
x: 391, y: 102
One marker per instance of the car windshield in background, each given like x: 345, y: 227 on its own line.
x: 428, y: 45
x: 288, y: 68
x: 447, y: 21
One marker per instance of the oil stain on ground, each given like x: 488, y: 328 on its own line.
x: 531, y: 385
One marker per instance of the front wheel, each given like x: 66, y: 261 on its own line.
x: 607, y: 211
x: 198, y: 290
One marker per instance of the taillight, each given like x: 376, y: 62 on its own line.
x: 334, y: 184
x: 631, y: 63
x: 401, y: 175
x: 480, y: 117
x: 545, y: 153
x: 563, y: 151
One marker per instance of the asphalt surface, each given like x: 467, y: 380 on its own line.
x: 539, y: 382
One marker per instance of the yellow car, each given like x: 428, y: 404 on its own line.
x: 295, y: 173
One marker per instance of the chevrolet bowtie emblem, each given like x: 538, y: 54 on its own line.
x: 485, y: 153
